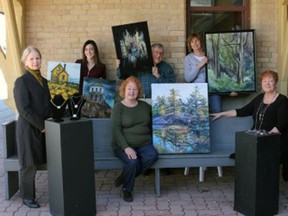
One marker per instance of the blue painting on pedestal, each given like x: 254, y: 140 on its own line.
x: 180, y: 118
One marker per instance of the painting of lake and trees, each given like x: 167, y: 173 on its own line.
x: 231, y: 61
x: 180, y: 118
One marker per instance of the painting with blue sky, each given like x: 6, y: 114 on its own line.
x: 180, y: 118
x: 100, y: 97
x: 63, y: 78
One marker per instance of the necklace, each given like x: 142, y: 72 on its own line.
x: 57, y: 106
x: 261, y: 112
x: 76, y: 106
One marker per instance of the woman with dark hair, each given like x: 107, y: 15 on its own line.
x: 132, y: 135
x: 91, y: 66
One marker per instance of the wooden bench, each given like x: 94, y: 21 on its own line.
x: 222, y: 139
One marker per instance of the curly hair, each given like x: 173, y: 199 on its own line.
x: 269, y: 73
x: 134, y: 80
x: 191, y: 37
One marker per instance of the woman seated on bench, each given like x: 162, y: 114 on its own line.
x: 132, y: 135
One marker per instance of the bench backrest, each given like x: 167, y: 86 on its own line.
x: 222, y: 133
x: 223, y: 130
x: 102, y: 136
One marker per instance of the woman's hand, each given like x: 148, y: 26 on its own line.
x: 130, y: 153
x: 215, y: 115
x: 117, y: 62
x: 233, y: 94
x: 203, y: 62
x: 274, y: 130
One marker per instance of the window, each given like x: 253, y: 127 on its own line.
x: 216, y: 15
x: 3, y: 32
x: 3, y: 84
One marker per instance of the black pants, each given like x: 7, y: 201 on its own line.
x: 27, y: 182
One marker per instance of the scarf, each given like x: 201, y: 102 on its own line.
x: 37, y: 75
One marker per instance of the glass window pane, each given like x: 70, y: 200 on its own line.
x: 199, y: 3
x: 3, y: 32
x: 210, y: 22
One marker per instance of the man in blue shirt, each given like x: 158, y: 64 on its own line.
x: 161, y: 72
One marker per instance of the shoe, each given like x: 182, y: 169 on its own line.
x: 232, y: 156
x: 118, y: 181
x: 127, y: 196
x: 31, y: 203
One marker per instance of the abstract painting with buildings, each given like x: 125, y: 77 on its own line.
x: 100, y: 97
x: 180, y: 118
x: 63, y: 78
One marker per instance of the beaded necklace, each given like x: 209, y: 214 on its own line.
x: 261, y: 112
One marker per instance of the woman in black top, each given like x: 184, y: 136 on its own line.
x: 269, y: 110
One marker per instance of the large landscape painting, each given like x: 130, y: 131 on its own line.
x: 231, y: 61
x: 180, y: 118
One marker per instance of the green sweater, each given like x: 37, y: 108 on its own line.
x: 131, y: 126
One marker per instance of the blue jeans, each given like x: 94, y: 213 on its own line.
x: 146, y: 156
x: 215, y: 103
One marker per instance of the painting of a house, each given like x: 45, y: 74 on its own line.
x: 180, y: 118
x: 59, y: 74
x: 63, y: 78
x: 100, y: 96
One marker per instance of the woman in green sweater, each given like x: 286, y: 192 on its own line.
x: 132, y: 135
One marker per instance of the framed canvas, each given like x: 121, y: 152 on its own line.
x: 133, y: 48
x: 63, y: 78
x: 231, y: 61
x: 180, y: 118
x: 100, y: 97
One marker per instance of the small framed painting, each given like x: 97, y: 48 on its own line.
x: 180, y: 118
x: 100, y: 97
x: 231, y: 61
x: 63, y: 78
x: 133, y: 47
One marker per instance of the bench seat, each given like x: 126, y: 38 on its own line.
x: 222, y: 141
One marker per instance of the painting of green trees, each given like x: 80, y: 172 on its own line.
x: 231, y: 61
x: 180, y: 118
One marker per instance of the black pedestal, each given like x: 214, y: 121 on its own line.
x: 257, y: 174
x: 70, y: 164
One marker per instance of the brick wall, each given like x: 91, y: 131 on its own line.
x: 60, y: 27
x: 264, y: 18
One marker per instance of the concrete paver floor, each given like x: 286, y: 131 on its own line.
x: 180, y: 195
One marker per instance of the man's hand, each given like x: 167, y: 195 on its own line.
x: 155, y: 72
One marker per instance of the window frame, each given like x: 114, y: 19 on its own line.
x: 244, y: 10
